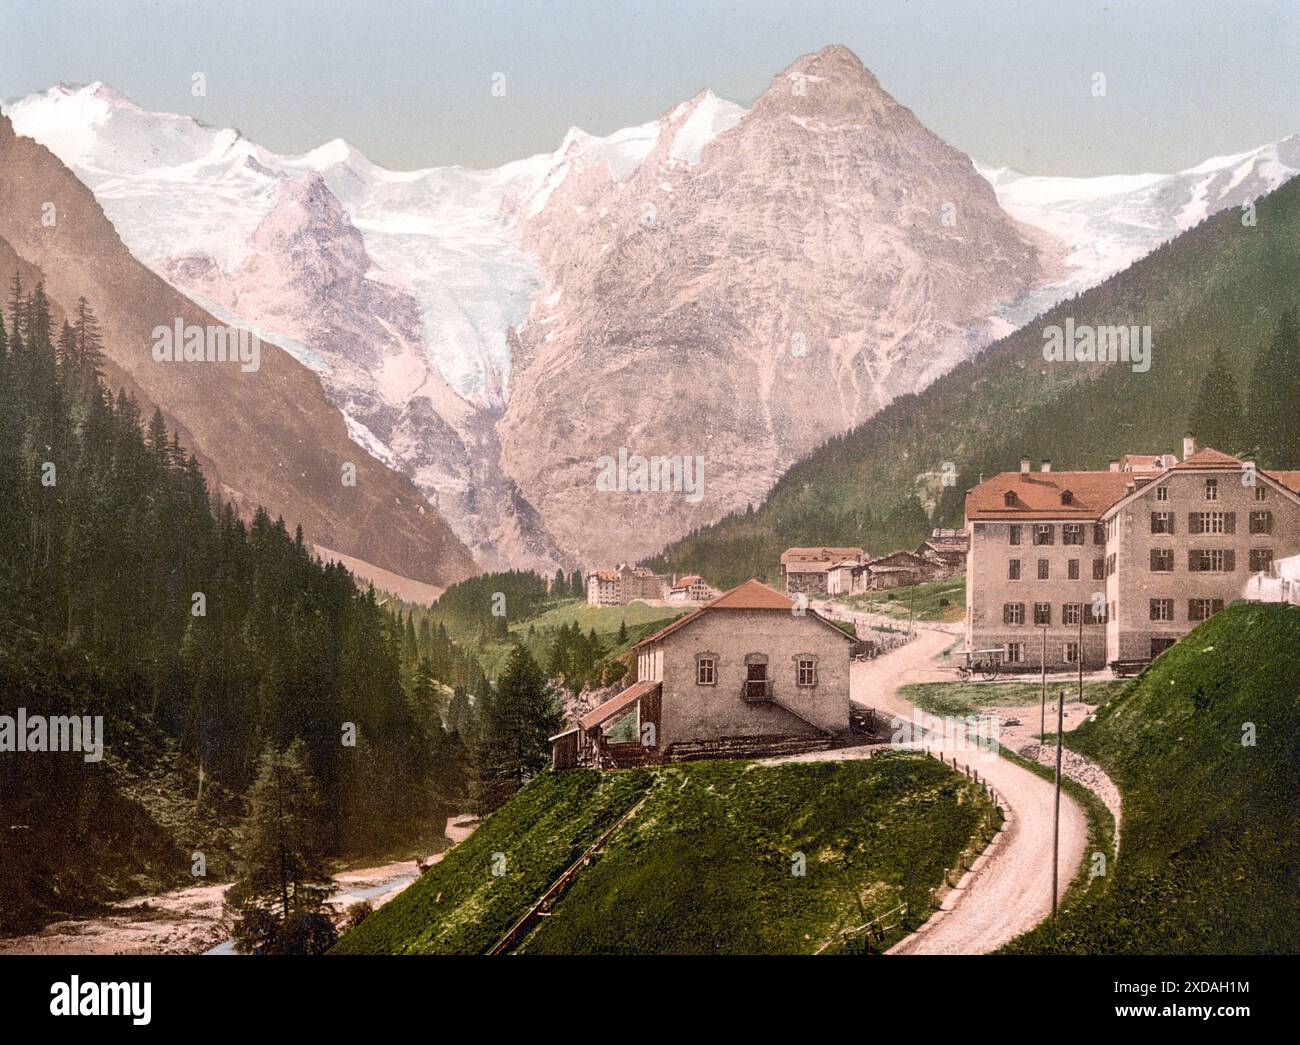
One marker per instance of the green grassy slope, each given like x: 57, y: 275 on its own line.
x: 1218, y: 284
x: 460, y: 906
x: 1210, y: 840
x: 706, y: 865
x: 943, y: 600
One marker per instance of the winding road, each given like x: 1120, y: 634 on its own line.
x: 1009, y: 888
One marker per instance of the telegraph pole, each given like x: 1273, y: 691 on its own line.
x: 1042, y: 709
x: 1056, y: 815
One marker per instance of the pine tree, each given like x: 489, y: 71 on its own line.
x: 1216, y: 419
x: 519, y: 718
x: 280, y: 893
x: 1272, y: 430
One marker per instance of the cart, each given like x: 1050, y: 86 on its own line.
x: 986, y: 663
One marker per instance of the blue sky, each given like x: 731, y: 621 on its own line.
x: 410, y: 84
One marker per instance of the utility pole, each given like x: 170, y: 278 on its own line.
x: 1081, y: 605
x: 1056, y: 815
x: 1042, y: 709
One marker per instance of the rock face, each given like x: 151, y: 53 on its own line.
x: 742, y: 301
x: 266, y: 437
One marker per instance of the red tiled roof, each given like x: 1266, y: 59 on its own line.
x: 1038, y: 494
x: 1210, y: 458
x: 752, y: 595
x: 685, y: 582
x: 1289, y: 479
x: 614, y: 705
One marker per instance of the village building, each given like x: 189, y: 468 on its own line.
x: 1136, y: 556
x: 1279, y: 583
x: 807, y: 570
x: 625, y: 584
x: 747, y: 669
x: 691, y: 588
x: 946, y: 551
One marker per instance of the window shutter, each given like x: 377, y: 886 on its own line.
x: 1006, y: 613
x: 1193, y: 561
x: 1268, y: 522
x: 1229, y: 561
x: 1230, y: 522
x: 1195, y: 522
x: 1172, y: 516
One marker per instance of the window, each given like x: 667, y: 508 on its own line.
x: 1071, y: 653
x: 1159, y: 644
x: 1162, y: 609
x: 1098, y: 569
x: 1212, y: 522
x: 1211, y: 560
x: 1211, y: 489
x: 1111, y: 563
x: 1072, y: 569
x: 706, y: 671
x: 1013, y: 569
x: 1044, y: 569
x: 1044, y: 533
x: 1261, y: 559
x: 1013, y: 613
x: 806, y: 671
x: 1093, y: 614
x: 1162, y: 560
x: 1162, y: 522
x: 1162, y: 493
x: 1072, y: 533
x: 1261, y: 521
x: 1261, y: 493
x: 1067, y: 496
x: 1203, y: 609
x: 1009, y: 499
x: 1013, y: 533
x: 1070, y: 612
x: 1098, y: 533
x: 1042, y: 613
x: 1015, y: 653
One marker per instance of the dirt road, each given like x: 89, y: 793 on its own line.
x: 1009, y: 889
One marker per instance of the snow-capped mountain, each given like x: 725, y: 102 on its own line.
x: 1107, y: 223
x: 739, y: 284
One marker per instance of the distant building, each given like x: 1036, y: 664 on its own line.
x: 898, y: 569
x: 625, y: 584
x: 946, y: 549
x: 1279, y: 583
x: 807, y: 570
x: 691, y: 588
x: 1140, y: 553
x: 741, y: 669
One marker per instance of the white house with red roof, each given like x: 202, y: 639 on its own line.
x: 749, y: 667
x: 1138, y: 554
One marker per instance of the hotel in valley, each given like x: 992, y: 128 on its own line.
x: 1140, y: 554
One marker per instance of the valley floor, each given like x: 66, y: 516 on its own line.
x: 192, y: 920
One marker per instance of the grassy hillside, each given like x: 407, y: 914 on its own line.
x: 706, y: 865
x: 1210, y: 851
x: 1220, y: 284
x: 943, y: 600
x: 461, y: 906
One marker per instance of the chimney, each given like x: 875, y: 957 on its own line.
x: 1114, y: 464
x: 1189, y: 447
x: 1047, y: 464
x: 1024, y: 465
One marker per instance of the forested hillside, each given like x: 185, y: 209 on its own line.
x: 1224, y: 286
x: 127, y: 592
